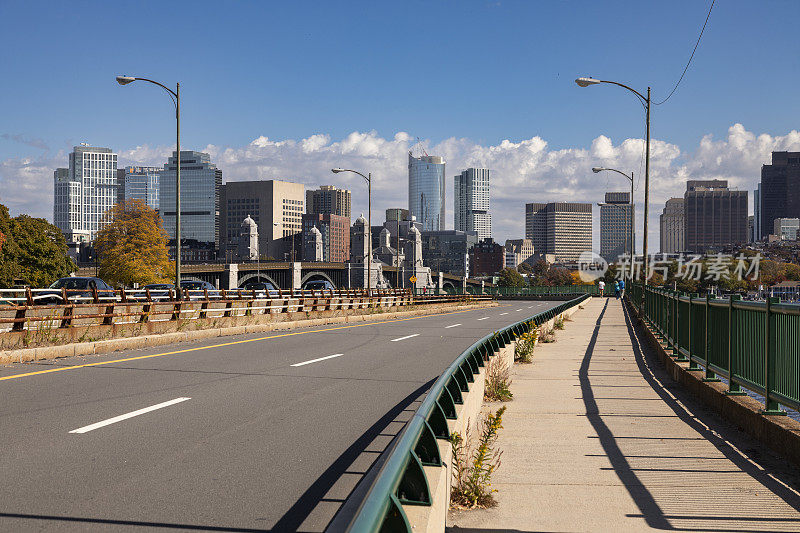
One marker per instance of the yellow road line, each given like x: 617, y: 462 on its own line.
x: 197, y: 348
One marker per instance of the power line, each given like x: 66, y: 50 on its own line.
x: 690, y: 57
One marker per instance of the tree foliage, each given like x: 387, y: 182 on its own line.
x: 511, y: 278
x: 132, y: 246
x: 32, y: 250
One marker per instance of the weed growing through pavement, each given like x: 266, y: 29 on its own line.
x: 558, y: 323
x: 498, y: 381
x: 473, y: 468
x: 546, y: 334
x: 523, y: 351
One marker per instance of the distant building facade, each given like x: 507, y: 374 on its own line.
x: 396, y: 214
x: 672, y: 224
x: 139, y: 183
x: 426, y: 191
x: 756, y: 236
x: 779, y: 190
x: 715, y: 215
x: 328, y: 200
x: 518, y: 251
x: 471, y: 202
x: 562, y: 229
x: 786, y: 229
x: 616, y: 222
x: 448, y: 251
x: 276, y: 206
x: 201, y: 182
x: 335, y: 234
x: 487, y: 258
x: 84, y: 192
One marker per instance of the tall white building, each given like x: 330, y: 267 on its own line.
x: 471, y: 202
x: 672, y: 222
x: 426, y: 191
x: 84, y: 192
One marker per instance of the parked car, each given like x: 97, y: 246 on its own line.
x: 158, y: 291
x: 264, y: 289
x: 195, y: 289
x: 78, y: 288
x: 319, y: 285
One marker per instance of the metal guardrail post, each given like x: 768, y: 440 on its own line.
x: 710, y: 375
x: 771, y: 407
x: 689, y: 339
x: 733, y: 388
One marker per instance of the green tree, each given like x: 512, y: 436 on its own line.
x: 33, y: 250
x: 511, y: 278
x: 132, y: 246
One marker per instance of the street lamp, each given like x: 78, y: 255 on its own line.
x: 368, y: 177
x: 630, y: 178
x: 175, y: 96
x: 645, y: 100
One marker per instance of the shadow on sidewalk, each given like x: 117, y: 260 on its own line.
x: 708, y: 427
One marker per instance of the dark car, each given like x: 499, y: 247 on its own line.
x: 158, y: 291
x: 263, y: 289
x: 195, y: 289
x: 79, y: 289
x: 319, y: 285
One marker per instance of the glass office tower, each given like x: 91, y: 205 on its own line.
x: 200, y: 184
x: 426, y: 191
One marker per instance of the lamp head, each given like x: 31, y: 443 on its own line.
x: 597, y: 169
x: 125, y: 80
x: 337, y: 170
x: 585, y: 82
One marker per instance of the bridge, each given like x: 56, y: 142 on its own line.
x: 620, y: 424
x: 287, y: 275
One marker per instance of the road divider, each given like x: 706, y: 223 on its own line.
x: 120, y: 418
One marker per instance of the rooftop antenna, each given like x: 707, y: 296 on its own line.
x: 421, y: 147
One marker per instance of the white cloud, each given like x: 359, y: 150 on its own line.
x: 522, y: 171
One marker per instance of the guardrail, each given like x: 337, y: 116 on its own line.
x: 20, y: 312
x: 401, y: 479
x: 537, y: 290
x: 753, y: 345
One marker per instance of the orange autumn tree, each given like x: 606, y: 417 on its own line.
x: 132, y: 246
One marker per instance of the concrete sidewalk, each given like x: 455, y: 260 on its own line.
x: 597, y: 438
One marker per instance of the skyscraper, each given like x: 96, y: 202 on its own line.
x: 756, y: 236
x: 715, y: 216
x: 84, y: 192
x: 328, y: 200
x: 672, y: 226
x: 200, y: 184
x: 616, y: 218
x: 779, y: 190
x: 276, y: 206
x: 471, y: 202
x: 426, y: 191
x: 563, y: 229
x: 140, y: 183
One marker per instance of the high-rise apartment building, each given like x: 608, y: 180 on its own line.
x: 201, y: 181
x: 426, y: 191
x: 715, y: 216
x: 84, y: 192
x: 140, y: 183
x: 328, y: 200
x: 563, y: 229
x: 471, y: 202
x: 616, y: 223
x: 276, y: 206
x: 335, y: 232
x: 779, y: 190
x: 756, y: 236
x: 671, y: 225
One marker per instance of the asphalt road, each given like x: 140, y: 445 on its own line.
x: 246, y: 433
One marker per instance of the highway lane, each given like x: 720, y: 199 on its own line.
x: 242, y: 439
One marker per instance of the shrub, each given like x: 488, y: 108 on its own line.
x: 498, y: 381
x: 546, y: 335
x: 558, y: 323
x: 473, y: 469
x: 524, y: 348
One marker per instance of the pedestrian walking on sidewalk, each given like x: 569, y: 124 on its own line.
x: 602, y: 286
x: 622, y: 288
x: 616, y: 289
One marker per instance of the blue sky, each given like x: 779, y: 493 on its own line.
x: 462, y: 75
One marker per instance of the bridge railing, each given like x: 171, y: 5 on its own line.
x: 537, y: 290
x: 753, y: 345
x: 401, y: 479
x: 39, y: 309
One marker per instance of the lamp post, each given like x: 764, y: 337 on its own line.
x: 175, y: 96
x: 368, y: 177
x: 645, y: 100
x: 630, y: 178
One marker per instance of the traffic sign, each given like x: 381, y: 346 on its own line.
x: 413, y: 279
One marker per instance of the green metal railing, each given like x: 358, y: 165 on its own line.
x: 401, y: 479
x: 754, y: 345
x: 539, y: 290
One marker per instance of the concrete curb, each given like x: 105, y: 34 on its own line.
x: 148, y: 341
x: 780, y: 433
